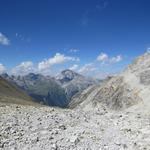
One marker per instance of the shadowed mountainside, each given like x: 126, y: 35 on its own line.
x: 9, y: 93
x: 52, y: 91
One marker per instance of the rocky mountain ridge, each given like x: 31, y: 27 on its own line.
x: 52, y: 91
x: 125, y: 90
x: 113, y: 116
x: 73, y: 82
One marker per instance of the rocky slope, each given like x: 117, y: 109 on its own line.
x: 44, y: 89
x: 131, y: 87
x: 73, y: 82
x: 45, y: 128
x: 10, y: 93
x: 50, y: 90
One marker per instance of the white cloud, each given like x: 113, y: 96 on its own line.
x: 103, y: 75
x: 116, y: 59
x: 4, y: 40
x: 102, y: 57
x: 16, y: 34
x: 105, y: 59
x: 43, y: 66
x: 57, y: 59
x: 148, y: 49
x: 2, y: 69
x: 74, y: 67
x: 87, y: 68
x: 74, y: 50
x: 23, y: 38
x: 24, y: 68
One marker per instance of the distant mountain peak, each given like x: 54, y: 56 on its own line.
x: 67, y: 75
x: 4, y: 75
x: 33, y: 76
x: 68, y: 71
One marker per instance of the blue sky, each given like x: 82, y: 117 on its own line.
x: 93, y: 37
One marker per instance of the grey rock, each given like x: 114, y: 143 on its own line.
x: 73, y: 82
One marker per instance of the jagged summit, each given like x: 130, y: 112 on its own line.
x: 43, y: 89
x: 5, y: 75
x: 139, y: 64
x: 67, y: 75
x: 73, y: 82
x: 53, y: 91
x: 33, y: 76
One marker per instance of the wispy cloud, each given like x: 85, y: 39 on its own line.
x: 148, y: 49
x: 43, y: 67
x: 74, y: 50
x: 23, y: 68
x: 2, y: 68
x: 74, y: 67
x: 96, y: 67
x: 116, y: 59
x: 103, y: 58
x: 87, y: 68
x: 89, y: 13
x: 57, y: 59
x: 103, y: 75
x: 4, y: 40
x: 102, y: 4
x: 23, y: 38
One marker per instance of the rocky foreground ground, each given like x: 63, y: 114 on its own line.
x: 46, y: 128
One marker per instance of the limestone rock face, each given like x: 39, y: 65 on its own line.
x: 116, y: 94
x: 131, y: 87
x: 145, y: 77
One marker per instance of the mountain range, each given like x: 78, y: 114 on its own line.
x: 109, y: 115
x: 73, y: 82
x: 72, y: 90
x: 127, y: 89
x: 52, y: 91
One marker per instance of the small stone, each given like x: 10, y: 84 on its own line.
x: 74, y: 139
x: 50, y: 138
x: 62, y: 127
x: 125, y: 146
x: 54, y: 147
x: 37, y: 139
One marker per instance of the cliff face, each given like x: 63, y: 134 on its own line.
x: 130, y: 87
x: 73, y: 82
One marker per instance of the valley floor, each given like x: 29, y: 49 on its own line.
x: 41, y: 128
